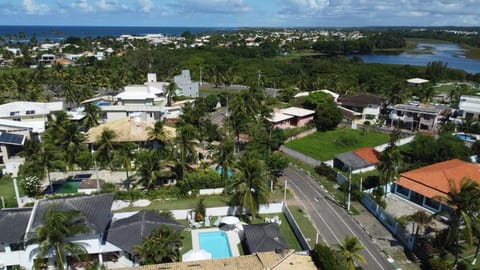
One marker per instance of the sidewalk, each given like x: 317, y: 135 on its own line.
x: 383, y: 238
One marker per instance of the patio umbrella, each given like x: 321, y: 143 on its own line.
x: 196, y: 255
x: 230, y: 220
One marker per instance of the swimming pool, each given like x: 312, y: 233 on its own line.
x: 466, y: 137
x: 216, y: 243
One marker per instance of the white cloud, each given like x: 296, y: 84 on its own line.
x: 111, y: 5
x: 83, y: 5
x: 145, y: 6
x: 32, y: 8
x: 212, y: 6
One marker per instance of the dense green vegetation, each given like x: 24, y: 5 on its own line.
x: 325, y: 145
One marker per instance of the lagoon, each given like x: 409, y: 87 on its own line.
x: 450, y: 53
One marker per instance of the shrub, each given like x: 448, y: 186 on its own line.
x: 200, y: 210
x: 198, y: 180
x: 349, y: 140
x: 30, y: 185
x: 326, y: 171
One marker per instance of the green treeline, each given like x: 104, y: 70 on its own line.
x: 363, y: 45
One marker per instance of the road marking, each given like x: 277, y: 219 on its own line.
x: 333, y: 210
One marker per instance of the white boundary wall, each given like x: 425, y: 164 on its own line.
x: 228, y: 210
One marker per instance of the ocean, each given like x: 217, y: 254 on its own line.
x: 23, y: 33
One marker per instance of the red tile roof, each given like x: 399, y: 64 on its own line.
x: 432, y: 180
x: 368, y: 153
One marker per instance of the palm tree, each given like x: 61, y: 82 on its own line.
x: 149, y: 166
x: 350, y: 249
x: 238, y: 117
x: 463, y: 202
x: 124, y: 155
x: 157, y: 134
x: 52, y: 235
x: 223, y: 156
x: 419, y: 219
x: 389, y: 161
x: 171, y: 92
x: 251, y: 188
x: 162, y: 245
x: 105, y: 147
x: 71, y: 143
x: 185, y: 144
x: 92, y: 116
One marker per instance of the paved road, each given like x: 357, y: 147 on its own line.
x: 331, y: 219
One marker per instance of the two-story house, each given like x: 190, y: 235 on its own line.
x: 145, y: 102
x: 32, y: 115
x: 187, y: 87
x: 416, y: 116
x: 361, y: 108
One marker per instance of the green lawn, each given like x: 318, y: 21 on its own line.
x: 285, y: 229
x: 325, y: 145
x: 190, y: 203
x: 303, y: 220
x: 7, y: 192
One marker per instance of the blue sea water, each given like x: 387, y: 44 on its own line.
x: 57, y: 33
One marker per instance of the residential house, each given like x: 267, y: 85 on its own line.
x: 416, y: 116
x: 469, y: 107
x: 47, y: 59
x: 274, y: 260
x: 361, y: 108
x: 110, y: 238
x: 263, y: 237
x: 32, y: 114
x: 357, y: 161
x: 187, y: 87
x: 424, y: 185
x: 416, y: 82
x: 290, y: 117
x: 146, y: 102
x: 10, y: 145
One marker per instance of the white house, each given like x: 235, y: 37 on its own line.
x: 146, y: 101
x: 32, y: 114
x: 110, y: 238
x: 469, y: 107
x: 187, y: 87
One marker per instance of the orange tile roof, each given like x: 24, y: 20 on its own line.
x: 432, y: 180
x: 368, y: 153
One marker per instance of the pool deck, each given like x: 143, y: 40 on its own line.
x: 233, y: 239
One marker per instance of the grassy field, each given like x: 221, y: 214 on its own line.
x: 190, y: 203
x: 7, y: 192
x: 305, y: 224
x: 325, y: 145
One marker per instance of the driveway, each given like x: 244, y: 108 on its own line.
x: 331, y: 219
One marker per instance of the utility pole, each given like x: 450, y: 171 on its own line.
x: 259, y: 76
x: 349, y: 188
x: 285, y: 193
x: 96, y: 169
x: 200, y: 75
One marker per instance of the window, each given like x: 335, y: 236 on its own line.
x: 432, y: 204
x: 14, y: 113
x: 404, y: 191
x: 29, y: 112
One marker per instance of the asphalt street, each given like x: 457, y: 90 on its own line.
x: 331, y: 219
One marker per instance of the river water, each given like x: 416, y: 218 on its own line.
x: 452, y: 54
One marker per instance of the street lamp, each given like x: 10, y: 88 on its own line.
x: 285, y: 193
x: 96, y: 169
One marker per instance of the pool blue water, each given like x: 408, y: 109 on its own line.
x: 466, y: 137
x: 216, y: 243
x: 229, y: 172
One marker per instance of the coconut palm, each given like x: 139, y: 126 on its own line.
x: 350, y: 249
x: 171, y: 92
x: 57, y: 226
x: 419, y: 219
x: 92, y: 116
x: 124, y: 155
x: 148, y: 166
x: 389, y: 161
x: 161, y: 246
x: 71, y: 143
x: 157, y: 134
x: 463, y: 201
x: 185, y: 144
x: 251, y: 188
x: 105, y: 146
x: 223, y: 156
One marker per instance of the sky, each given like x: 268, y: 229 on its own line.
x: 241, y: 13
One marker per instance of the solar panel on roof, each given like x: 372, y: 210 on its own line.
x: 10, y: 138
